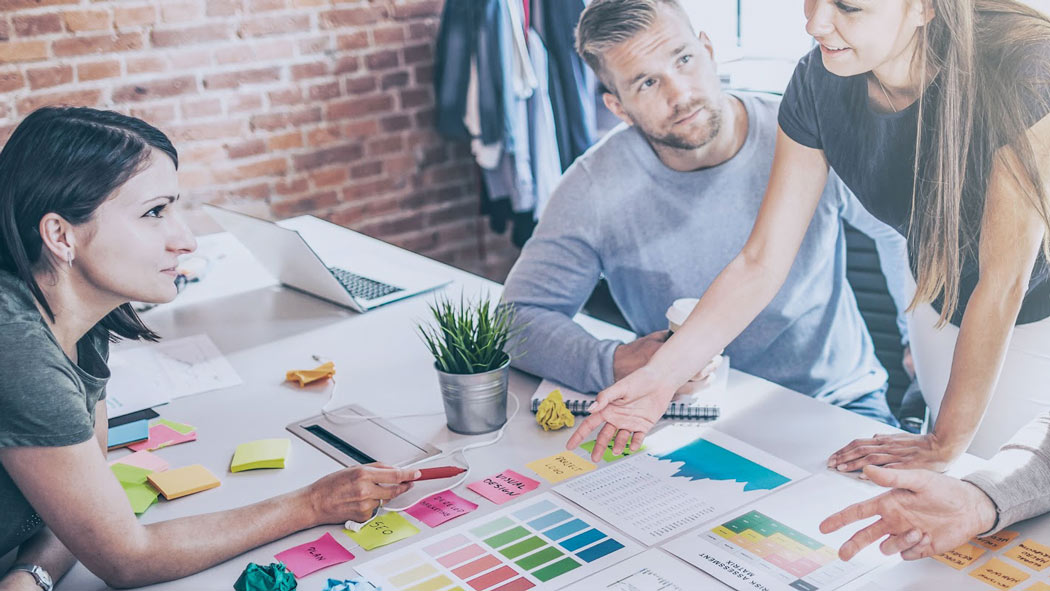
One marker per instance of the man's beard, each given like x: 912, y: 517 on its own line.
x: 678, y: 142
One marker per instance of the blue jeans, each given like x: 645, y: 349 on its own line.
x: 873, y: 405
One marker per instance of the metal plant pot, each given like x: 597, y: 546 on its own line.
x: 475, y: 403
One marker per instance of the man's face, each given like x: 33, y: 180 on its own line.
x: 666, y: 84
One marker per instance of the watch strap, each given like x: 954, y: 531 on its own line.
x: 41, y: 576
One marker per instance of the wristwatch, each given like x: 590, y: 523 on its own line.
x: 38, y: 573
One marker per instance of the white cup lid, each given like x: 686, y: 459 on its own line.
x: 680, y: 310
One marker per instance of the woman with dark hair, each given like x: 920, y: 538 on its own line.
x: 88, y: 223
x: 935, y: 114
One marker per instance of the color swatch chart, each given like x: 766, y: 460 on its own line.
x: 1017, y: 558
x: 541, y: 543
x: 688, y: 476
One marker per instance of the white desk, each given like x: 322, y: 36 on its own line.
x: 383, y: 366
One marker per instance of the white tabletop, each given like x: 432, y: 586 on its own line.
x: 383, y: 366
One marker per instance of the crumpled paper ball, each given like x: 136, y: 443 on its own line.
x: 552, y: 413
x: 274, y: 577
x: 349, y: 585
x: 308, y: 376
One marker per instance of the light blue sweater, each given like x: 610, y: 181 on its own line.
x: 657, y: 235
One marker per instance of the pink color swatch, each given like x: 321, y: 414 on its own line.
x: 145, y: 460
x: 313, y: 556
x: 504, y: 486
x: 437, y: 509
x: 162, y: 436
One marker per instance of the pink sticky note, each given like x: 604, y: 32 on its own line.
x: 437, y: 509
x: 313, y: 556
x: 504, y: 486
x: 144, y: 459
x: 162, y: 436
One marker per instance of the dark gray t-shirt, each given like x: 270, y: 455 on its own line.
x: 45, y: 398
x: 874, y: 154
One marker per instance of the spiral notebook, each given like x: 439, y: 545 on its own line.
x: 578, y: 403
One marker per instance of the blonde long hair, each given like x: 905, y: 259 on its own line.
x: 981, y: 106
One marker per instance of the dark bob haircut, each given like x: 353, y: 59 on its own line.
x: 68, y: 161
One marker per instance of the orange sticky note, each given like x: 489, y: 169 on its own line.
x: 308, y: 376
x: 961, y: 557
x: 1031, y: 554
x: 183, y: 481
x: 998, y: 574
x: 996, y: 541
x: 1039, y: 587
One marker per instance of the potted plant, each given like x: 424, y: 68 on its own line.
x: 467, y: 340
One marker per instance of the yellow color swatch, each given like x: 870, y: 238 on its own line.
x: 998, y: 574
x: 264, y: 453
x: 997, y: 540
x: 183, y: 481
x: 1031, y: 554
x: 961, y: 557
x: 561, y: 466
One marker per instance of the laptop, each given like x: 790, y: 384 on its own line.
x: 345, y: 276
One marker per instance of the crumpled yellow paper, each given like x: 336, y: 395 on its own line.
x: 308, y: 376
x: 552, y: 413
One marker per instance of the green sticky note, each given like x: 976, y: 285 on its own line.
x: 130, y: 474
x: 609, y: 456
x: 180, y: 427
x: 141, y: 496
x: 264, y: 453
x: 382, y: 530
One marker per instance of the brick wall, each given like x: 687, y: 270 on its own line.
x: 282, y: 107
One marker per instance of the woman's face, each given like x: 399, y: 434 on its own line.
x: 858, y: 36
x: 128, y: 251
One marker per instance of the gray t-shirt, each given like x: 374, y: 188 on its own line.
x: 45, y: 398
x: 657, y: 235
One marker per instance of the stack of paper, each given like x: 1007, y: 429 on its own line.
x: 183, y: 481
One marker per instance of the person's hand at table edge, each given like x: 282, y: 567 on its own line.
x: 924, y: 514
x: 897, y: 450
x: 629, y: 409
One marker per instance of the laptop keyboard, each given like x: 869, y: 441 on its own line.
x: 360, y: 287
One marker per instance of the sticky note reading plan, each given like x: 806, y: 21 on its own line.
x: 961, y: 557
x: 504, y: 486
x: 437, y: 509
x: 183, y: 481
x: 264, y: 453
x: 997, y: 573
x: 382, y: 530
x: 313, y: 556
x: 560, y: 466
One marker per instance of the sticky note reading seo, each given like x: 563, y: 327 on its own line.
x: 961, y: 557
x: 437, y: 509
x: 1031, y: 554
x: 504, y: 486
x: 998, y: 574
x: 313, y: 556
x: 382, y: 530
x: 560, y: 466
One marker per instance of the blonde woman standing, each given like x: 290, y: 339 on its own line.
x: 934, y: 112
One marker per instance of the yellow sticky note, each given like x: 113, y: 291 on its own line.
x: 961, y: 557
x: 308, y: 376
x: 1031, y: 554
x: 561, y: 466
x: 1039, y: 587
x: 382, y: 530
x: 998, y: 574
x: 264, y: 453
x: 996, y: 541
x: 183, y: 481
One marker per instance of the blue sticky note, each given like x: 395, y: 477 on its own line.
x: 129, y: 433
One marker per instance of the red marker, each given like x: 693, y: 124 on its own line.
x: 442, y: 472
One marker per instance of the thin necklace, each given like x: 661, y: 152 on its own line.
x: 884, y: 93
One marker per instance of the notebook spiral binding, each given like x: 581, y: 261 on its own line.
x: 676, y: 410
